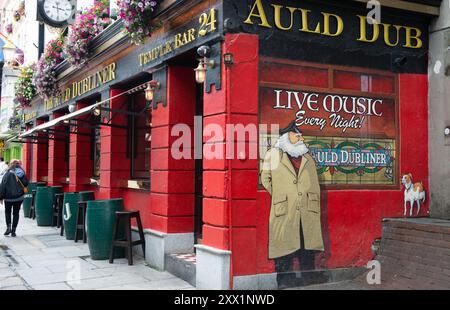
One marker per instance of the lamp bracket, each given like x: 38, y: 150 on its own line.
x: 204, y: 51
x: 213, y: 74
x: 160, y: 96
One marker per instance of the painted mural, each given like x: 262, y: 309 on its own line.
x: 289, y: 174
x: 327, y: 127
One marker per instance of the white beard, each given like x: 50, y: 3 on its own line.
x: 294, y: 150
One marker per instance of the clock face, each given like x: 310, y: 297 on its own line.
x: 57, y: 11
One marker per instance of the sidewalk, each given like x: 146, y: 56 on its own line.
x: 38, y: 258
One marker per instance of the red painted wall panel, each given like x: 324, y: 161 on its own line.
x: 138, y: 200
x: 352, y: 218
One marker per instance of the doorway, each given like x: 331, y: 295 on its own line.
x: 198, y: 208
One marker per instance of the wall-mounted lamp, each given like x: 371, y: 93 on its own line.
x: 204, y: 63
x: 228, y: 59
x: 150, y: 90
x: 72, y: 107
x: 447, y: 132
x: 97, y: 111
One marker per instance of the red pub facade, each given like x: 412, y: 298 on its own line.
x: 356, y: 91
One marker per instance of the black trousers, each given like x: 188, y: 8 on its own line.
x: 286, y: 276
x: 15, y: 208
x: 306, y: 258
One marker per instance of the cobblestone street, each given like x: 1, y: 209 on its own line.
x: 38, y: 258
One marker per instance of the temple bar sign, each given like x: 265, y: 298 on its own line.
x: 182, y: 38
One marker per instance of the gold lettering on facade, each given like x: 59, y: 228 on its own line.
x: 83, y: 86
x: 408, y: 31
x: 207, y: 24
x: 260, y: 14
x: 286, y: 18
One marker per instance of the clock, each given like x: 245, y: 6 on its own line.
x: 56, y: 13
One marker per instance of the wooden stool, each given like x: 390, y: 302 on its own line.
x: 128, y: 242
x: 81, y: 220
x: 32, y: 214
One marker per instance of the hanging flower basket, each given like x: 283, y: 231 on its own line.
x: 24, y: 88
x: 45, y: 76
x: 137, y: 16
x: 17, y: 15
x: 9, y: 28
x: 22, y: 7
x: 14, y: 121
x: 88, y: 24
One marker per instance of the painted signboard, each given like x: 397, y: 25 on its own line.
x: 334, y: 32
x: 350, y: 128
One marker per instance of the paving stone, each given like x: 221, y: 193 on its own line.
x: 104, y: 282
x: 41, y: 259
x: 60, y: 286
x: 10, y: 281
x: 6, y: 272
x: 15, y: 288
x: 32, y: 271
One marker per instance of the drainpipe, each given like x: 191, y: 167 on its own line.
x: 229, y: 162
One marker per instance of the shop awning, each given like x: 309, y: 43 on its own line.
x: 61, y: 119
x: 86, y: 110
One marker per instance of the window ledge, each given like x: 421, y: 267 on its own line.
x: 95, y: 182
x: 139, y: 184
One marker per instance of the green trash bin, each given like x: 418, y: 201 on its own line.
x: 26, y: 205
x: 100, y: 218
x: 71, y: 200
x: 44, y: 204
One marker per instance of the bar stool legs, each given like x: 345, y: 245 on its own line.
x: 127, y: 243
x: 81, y: 221
x: 32, y: 213
x: 57, y: 210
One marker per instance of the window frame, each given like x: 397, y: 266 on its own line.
x: 133, y: 137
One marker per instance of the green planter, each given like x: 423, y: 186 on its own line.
x: 44, y: 204
x: 70, y: 211
x: 100, y: 218
x: 26, y: 205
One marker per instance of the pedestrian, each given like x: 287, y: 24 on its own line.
x: 12, y: 188
x: 3, y: 168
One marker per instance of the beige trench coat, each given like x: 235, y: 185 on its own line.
x: 295, y: 199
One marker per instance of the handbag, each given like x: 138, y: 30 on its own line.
x: 25, y: 189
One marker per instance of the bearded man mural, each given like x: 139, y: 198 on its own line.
x: 289, y: 175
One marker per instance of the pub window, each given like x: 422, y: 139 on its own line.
x: 140, y: 137
x: 67, y: 150
x: 96, y: 153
